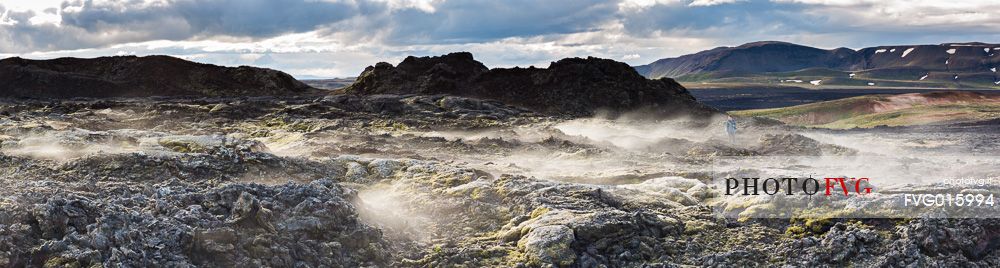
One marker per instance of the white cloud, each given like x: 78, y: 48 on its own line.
x: 631, y: 5
x: 45, y: 18
x: 34, y: 5
x: 697, y: 3
x: 422, y: 5
x: 908, y: 15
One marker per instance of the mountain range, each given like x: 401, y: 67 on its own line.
x: 949, y: 65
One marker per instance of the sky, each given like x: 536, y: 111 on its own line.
x: 339, y: 38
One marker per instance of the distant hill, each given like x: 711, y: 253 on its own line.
x: 131, y: 76
x: 332, y: 83
x: 951, y: 65
x: 888, y: 110
x: 572, y: 86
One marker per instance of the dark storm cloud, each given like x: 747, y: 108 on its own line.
x: 252, y: 18
x: 95, y: 23
x: 91, y: 23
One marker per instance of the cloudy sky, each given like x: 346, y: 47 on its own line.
x: 337, y: 38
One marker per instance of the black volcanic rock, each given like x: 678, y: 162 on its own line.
x: 572, y: 86
x: 130, y: 76
x: 424, y: 75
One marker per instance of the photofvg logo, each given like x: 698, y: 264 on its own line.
x: 856, y: 186
x: 792, y: 186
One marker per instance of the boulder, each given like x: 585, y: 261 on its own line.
x: 550, y: 245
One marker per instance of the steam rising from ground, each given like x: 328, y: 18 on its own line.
x: 637, y: 135
x: 895, y: 143
x: 63, y: 146
x: 383, y: 206
x: 66, y: 145
x: 600, y: 150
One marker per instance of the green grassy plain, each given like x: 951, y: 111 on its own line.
x: 863, y: 112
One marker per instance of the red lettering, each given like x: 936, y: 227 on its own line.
x: 830, y: 186
x: 857, y: 187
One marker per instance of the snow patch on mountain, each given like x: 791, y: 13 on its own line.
x: 907, y: 51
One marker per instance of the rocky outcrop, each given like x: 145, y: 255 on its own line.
x: 921, y: 242
x: 130, y: 76
x: 573, y: 86
x: 174, y: 223
x: 796, y: 144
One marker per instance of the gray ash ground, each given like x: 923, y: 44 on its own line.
x: 390, y: 181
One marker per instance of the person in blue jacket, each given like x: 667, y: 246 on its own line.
x: 731, y: 129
